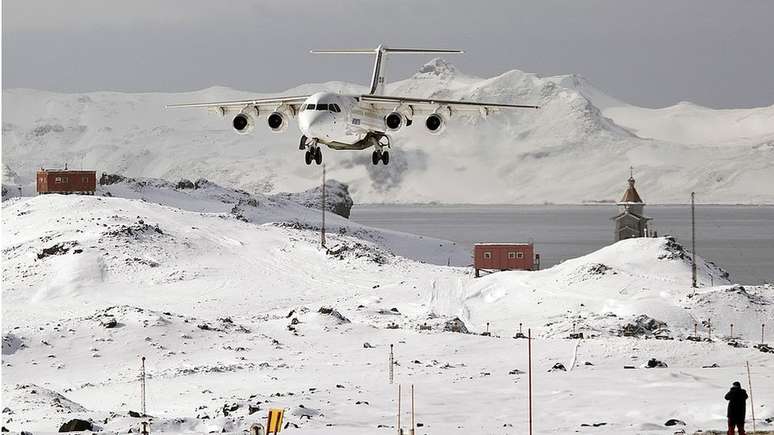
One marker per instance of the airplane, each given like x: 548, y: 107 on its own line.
x: 350, y: 122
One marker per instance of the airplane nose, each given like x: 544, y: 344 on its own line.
x: 316, y: 123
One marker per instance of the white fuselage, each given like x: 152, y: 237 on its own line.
x: 337, y: 120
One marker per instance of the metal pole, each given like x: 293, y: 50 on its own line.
x: 400, y: 430
x: 693, y: 239
x: 142, y: 386
x: 763, y: 325
x: 732, y: 331
x: 413, y: 426
x: 529, y: 369
x: 752, y: 404
x: 392, y: 365
x: 322, y: 229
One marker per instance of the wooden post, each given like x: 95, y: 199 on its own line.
x: 529, y: 369
x: 749, y: 384
x: 763, y: 325
x: 696, y: 329
x: 732, y: 331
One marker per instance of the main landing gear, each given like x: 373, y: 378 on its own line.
x: 380, y: 156
x: 313, y: 151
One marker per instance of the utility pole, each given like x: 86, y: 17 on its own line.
x: 322, y: 229
x: 693, y: 240
x: 529, y: 370
x: 142, y: 387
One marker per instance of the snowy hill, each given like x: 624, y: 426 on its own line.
x: 577, y: 147
x: 237, y: 312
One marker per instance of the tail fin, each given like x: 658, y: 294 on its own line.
x: 377, y: 77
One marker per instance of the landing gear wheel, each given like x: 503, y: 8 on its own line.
x: 308, y: 157
x: 385, y: 157
x: 318, y: 155
x: 375, y: 157
x: 302, y: 144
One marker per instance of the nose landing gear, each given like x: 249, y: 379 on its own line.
x: 313, y: 152
x: 313, y: 155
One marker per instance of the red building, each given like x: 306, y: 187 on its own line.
x: 505, y: 256
x: 66, y: 181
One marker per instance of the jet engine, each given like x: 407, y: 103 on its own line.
x: 244, y: 121
x: 278, y: 121
x: 435, y: 123
x: 394, y: 121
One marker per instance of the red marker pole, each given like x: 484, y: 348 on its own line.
x: 529, y: 369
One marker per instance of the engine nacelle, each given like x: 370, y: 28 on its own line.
x: 394, y: 121
x: 278, y: 121
x: 435, y: 123
x: 244, y: 122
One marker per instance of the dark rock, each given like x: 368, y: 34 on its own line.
x: 654, y: 363
x: 367, y: 345
x: 109, y: 322
x: 76, y: 425
x: 644, y: 325
x: 108, y: 179
x: 333, y: 313
x: 558, y: 367
x: 184, y: 184
x: 337, y: 198
x: 456, y: 325
x: 674, y: 422
x: 134, y: 414
x: 57, y: 249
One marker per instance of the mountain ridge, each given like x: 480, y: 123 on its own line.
x: 577, y: 148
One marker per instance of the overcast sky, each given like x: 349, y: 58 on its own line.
x: 651, y: 53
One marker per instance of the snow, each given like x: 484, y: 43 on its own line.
x: 226, y: 309
x: 577, y: 148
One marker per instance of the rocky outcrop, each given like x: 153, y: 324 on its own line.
x: 337, y: 198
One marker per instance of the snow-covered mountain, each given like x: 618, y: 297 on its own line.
x: 237, y: 310
x: 578, y: 147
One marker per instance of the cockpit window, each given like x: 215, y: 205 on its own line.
x: 335, y: 108
x: 322, y: 106
x: 309, y: 107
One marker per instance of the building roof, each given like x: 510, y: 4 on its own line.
x: 631, y: 195
x: 501, y: 244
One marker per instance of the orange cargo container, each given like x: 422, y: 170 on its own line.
x: 504, y: 256
x: 66, y: 181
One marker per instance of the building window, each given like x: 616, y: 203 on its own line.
x: 519, y: 255
x: 58, y: 180
x: 511, y: 255
x: 487, y: 255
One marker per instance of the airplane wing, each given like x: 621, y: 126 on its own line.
x: 431, y: 104
x: 225, y: 106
